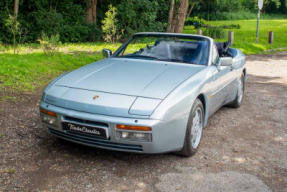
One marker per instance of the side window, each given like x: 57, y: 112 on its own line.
x: 215, y: 55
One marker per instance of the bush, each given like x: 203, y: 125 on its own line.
x: 65, y: 17
x: 239, y: 15
x: 231, y: 26
x: 49, y: 21
x: 138, y: 16
x: 195, y: 21
x: 214, y: 32
x: 163, y: 11
x: 110, y: 25
x: 2, y: 47
x: 14, y: 28
x: 49, y: 44
x: 95, y: 32
x: 70, y: 26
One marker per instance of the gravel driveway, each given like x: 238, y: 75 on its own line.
x: 242, y: 149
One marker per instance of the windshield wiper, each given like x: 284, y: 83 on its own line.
x: 174, y: 60
x: 155, y: 58
x: 143, y: 56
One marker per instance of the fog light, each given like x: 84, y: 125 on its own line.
x: 52, y: 121
x: 134, y: 136
x: 124, y: 134
x: 49, y: 119
x: 139, y: 135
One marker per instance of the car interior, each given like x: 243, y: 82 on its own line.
x: 223, y: 49
x: 186, y: 51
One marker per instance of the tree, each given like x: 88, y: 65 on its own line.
x: 170, y: 17
x: 177, y: 16
x: 283, y: 6
x: 190, y: 9
x: 16, y: 8
x: 91, y: 12
x: 109, y: 26
x: 192, y: 4
x: 13, y: 26
x: 181, y: 16
x: 271, y: 6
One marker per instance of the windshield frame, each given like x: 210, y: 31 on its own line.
x: 152, y: 34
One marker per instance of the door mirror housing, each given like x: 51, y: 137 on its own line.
x: 107, y: 53
x: 226, y: 61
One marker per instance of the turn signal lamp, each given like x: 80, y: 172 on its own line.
x: 48, y: 112
x: 49, y: 117
x: 133, y: 128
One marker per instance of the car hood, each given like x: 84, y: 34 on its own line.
x: 132, y: 77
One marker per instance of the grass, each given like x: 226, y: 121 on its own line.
x: 243, y: 15
x: 95, y: 47
x: 245, y: 37
x: 25, y: 72
x: 31, y: 68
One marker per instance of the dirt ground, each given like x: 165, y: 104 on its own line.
x: 242, y: 149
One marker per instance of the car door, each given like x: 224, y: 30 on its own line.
x: 220, y: 84
x: 234, y: 76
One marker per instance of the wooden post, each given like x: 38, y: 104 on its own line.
x: 199, y: 32
x: 231, y: 37
x: 270, y: 37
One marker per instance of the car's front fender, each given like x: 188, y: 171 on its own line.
x: 175, y: 109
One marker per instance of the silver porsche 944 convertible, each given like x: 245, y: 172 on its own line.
x: 153, y: 95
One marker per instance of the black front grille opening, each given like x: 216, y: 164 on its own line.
x: 95, y: 142
x: 95, y: 123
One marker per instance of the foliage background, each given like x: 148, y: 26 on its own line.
x: 46, y: 23
x: 67, y: 17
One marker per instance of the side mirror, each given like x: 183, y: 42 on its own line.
x: 107, y: 53
x: 226, y: 61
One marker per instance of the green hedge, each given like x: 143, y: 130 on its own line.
x: 65, y: 17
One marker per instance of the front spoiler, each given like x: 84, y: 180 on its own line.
x: 167, y: 136
x: 94, y: 142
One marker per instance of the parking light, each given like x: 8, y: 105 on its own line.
x: 48, y: 112
x: 133, y: 128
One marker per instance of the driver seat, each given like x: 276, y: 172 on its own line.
x: 162, y: 49
x: 200, y: 54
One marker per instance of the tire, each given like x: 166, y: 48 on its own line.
x: 240, y: 93
x: 193, y: 130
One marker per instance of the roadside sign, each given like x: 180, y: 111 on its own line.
x: 260, y: 4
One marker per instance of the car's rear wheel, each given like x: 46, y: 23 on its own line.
x: 194, y: 129
x: 240, y: 93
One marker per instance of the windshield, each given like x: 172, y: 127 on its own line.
x: 192, y: 50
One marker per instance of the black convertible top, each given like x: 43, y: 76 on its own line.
x: 222, y: 48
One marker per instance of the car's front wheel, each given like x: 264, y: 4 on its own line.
x: 193, y: 130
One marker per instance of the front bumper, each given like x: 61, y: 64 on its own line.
x: 167, y: 136
x: 94, y: 142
